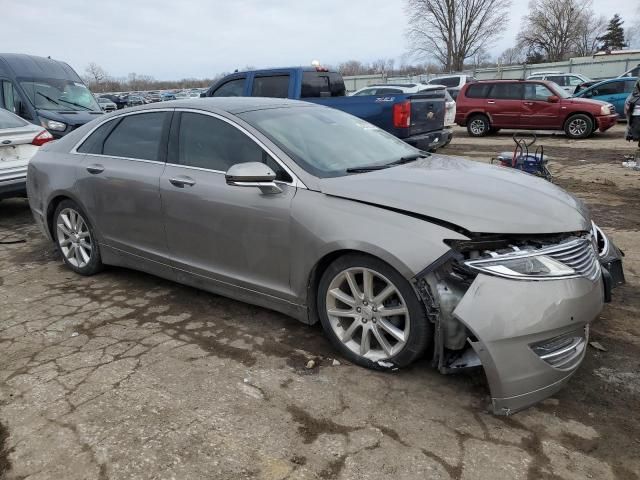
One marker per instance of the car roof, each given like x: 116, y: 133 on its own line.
x: 233, y: 105
x: 30, y: 66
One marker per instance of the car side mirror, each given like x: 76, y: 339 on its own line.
x: 553, y: 99
x: 253, y: 174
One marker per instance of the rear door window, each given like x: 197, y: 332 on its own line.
x: 275, y: 86
x: 208, y: 142
x: 478, y: 90
x: 446, y: 81
x: 559, y: 79
x: 573, y: 81
x: 322, y: 84
x: 95, y: 142
x: 507, y: 91
x: 137, y: 136
x: 232, y: 88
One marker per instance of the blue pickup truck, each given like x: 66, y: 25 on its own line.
x: 416, y: 118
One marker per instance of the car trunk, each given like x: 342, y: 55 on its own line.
x: 15, y: 151
x: 427, y: 111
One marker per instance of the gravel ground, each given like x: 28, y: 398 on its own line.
x: 126, y: 376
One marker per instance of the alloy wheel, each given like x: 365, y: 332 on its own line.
x: 367, y: 313
x: 477, y: 127
x: 74, y: 237
x: 578, y: 127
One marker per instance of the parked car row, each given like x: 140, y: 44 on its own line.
x: 133, y: 99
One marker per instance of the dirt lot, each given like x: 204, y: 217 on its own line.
x: 125, y: 376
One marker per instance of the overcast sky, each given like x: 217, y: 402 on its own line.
x: 171, y: 39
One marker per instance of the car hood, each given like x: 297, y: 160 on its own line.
x: 74, y: 118
x: 478, y: 197
x: 585, y: 101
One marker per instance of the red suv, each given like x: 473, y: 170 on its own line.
x: 487, y: 106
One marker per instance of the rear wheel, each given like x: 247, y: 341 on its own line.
x: 478, y: 125
x: 371, y: 314
x: 579, y: 126
x: 75, y: 239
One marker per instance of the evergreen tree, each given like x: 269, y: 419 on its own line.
x: 613, y: 39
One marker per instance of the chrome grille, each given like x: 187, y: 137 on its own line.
x: 578, y: 254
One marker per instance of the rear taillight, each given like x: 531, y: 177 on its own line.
x: 42, y: 138
x: 402, y: 114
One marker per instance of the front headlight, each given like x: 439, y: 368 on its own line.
x: 605, y: 109
x: 523, y: 266
x: 54, y: 125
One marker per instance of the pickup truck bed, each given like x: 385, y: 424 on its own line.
x: 418, y: 119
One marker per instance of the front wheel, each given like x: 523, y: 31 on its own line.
x: 75, y: 239
x: 371, y: 314
x: 579, y: 126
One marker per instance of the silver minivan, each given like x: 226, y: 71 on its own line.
x: 317, y: 214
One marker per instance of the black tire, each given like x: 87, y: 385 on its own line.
x: 94, y: 264
x: 579, y: 126
x: 478, y: 125
x: 420, y: 335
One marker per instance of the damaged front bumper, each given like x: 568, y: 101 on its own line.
x: 530, y: 336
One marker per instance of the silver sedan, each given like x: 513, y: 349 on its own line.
x: 317, y: 214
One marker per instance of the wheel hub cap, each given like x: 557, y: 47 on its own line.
x: 368, y: 313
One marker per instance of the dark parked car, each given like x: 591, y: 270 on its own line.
x: 487, y: 106
x: 45, y: 92
x: 614, y: 91
x: 120, y: 101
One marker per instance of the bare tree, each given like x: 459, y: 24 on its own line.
x: 555, y: 29
x: 452, y: 31
x: 590, y: 30
x: 512, y: 56
x: 95, y: 74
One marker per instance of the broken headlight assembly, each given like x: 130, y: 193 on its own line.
x: 524, y: 266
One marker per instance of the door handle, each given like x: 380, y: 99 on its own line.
x: 528, y: 103
x: 491, y: 102
x: 182, y: 181
x: 95, y: 169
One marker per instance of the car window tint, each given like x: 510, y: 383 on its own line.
x: 536, y: 91
x: 611, y: 88
x: 629, y: 85
x: 559, y: 79
x: 573, y: 81
x: 94, y: 142
x: 446, y: 81
x: 507, y: 91
x: 208, y: 142
x: 387, y: 91
x: 478, y: 90
x: 368, y: 91
x: 136, y: 136
x: 322, y: 84
x: 233, y: 88
x: 272, y: 86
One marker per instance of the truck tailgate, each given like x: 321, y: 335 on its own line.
x: 427, y: 111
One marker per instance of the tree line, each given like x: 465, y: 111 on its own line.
x: 453, y: 36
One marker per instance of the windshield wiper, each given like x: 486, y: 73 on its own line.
x: 74, y: 104
x: 369, y: 168
x: 409, y: 158
x: 49, y: 99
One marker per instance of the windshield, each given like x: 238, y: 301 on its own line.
x: 59, y: 95
x: 327, y: 142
